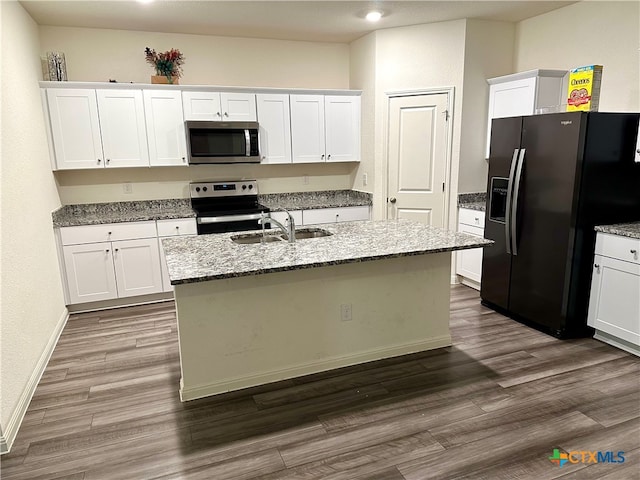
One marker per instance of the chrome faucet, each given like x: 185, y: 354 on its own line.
x: 289, y: 230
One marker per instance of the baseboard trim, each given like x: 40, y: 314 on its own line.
x: 617, y: 342
x: 200, y: 391
x: 9, y: 435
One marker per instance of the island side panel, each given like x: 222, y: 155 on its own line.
x: 240, y: 332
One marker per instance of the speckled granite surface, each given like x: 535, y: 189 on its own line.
x: 117, y: 212
x: 209, y: 257
x: 623, y: 229
x: 473, y: 201
x: 323, y: 199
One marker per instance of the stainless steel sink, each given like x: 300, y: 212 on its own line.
x: 311, y: 233
x: 303, y: 233
x: 256, y: 238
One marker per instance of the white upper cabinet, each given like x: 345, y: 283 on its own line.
x: 342, y: 128
x: 275, y: 128
x: 524, y: 93
x: 75, y: 128
x: 165, y: 127
x: 237, y: 107
x: 325, y: 128
x: 307, y: 128
x: 122, y: 124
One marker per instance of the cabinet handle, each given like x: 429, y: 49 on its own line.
x: 329, y: 157
x: 218, y: 114
x: 108, y: 160
x: 107, y: 250
x: 337, y: 217
x: 634, y: 252
x: 184, y: 159
x: 108, y: 233
x: 322, y: 157
x: 99, y: 160
x: 177, y: 228
x: 392, y: 200
x: 226, y: 114
x: 597, y: 267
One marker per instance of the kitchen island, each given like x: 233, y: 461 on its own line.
x: 250, y: 314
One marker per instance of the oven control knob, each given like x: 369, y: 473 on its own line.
x: 250, y: 187
x: 244, y: 187
x: 204, y: 189
x: 197, y: 189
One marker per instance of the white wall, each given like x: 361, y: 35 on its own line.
x: 100, y: 55
x: 489, y: 52
x: 587, y: 33
x: 32, y: 305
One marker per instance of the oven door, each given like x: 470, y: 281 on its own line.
x: 230, y: 223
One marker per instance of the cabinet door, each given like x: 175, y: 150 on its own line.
x: 89, y: 271
x: 307, y: 128
x: 165, y: 128
x: 75, y: 128
x: 137, y: 266
x: 122, y: 124
x: 275, y: 128
x: 238, y: 107
x: 469, y: 262
x: 201, y: 106
x: 511, y: 99
x: 614, y: 306
x: 342, y: 128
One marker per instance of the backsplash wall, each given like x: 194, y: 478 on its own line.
x: 107, y: 185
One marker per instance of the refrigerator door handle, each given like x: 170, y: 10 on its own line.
x: 507, y: 213
x: 514, y: 202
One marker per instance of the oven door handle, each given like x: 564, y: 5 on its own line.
x: 230, y: 218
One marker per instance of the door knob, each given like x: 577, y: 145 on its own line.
x: 392, y: 200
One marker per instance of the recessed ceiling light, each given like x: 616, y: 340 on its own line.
x: 145, y: 1
x: 373, y: 16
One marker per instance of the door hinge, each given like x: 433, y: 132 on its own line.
x: 446, y: 115
x: 443, y: 186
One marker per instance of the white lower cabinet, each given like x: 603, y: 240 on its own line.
x: 335, y: 215
x: 469, y: 262
x: 97, y: 270
x: 614, y: 303
x: 90, y: 273
x: 172, y: 228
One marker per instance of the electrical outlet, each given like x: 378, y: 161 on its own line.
x: 365, y: 179
x: 305, y: 179
x: 127, y: 187
x: 345, y: 312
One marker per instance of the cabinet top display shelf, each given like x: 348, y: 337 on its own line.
x: 521, y: 75
x: 198, y: 88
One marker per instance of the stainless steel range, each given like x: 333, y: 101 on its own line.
x: 226, y: 206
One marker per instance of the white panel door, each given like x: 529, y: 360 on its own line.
x: 137, y: 266
x: 122, y: 124
x: 342, y: 128
x: 417, y: 158
x: 75, y: 128
x: 614, y: 304
x: 307, y: 128
x: 275, y: 128
x: 90, y: 273
x: 201, y: 106
x: 165, y: 127
x: 238, y: 107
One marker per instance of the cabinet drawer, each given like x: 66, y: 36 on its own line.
x: 615, y: 246
x: 107, y: 232
x: 177, y: 226
x: 474, y: 218
x: 334, y: 215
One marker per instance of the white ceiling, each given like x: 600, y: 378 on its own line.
x: 324, y: 21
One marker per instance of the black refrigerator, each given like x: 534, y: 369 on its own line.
x: 552, y: 178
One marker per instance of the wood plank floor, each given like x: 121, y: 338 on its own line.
x: 493, y: 406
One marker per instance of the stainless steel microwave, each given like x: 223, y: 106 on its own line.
x: 222, y: 142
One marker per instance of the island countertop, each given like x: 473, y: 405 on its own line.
x: 210, y: 257
x: 631, y: 230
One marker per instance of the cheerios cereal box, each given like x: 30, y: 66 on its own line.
x: 584, y: 88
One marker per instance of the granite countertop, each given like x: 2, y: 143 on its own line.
x: 473, y: 201
x: 322, y: 199
x: 117, y: 212
x: 210, y: 257
x: 631, y: 230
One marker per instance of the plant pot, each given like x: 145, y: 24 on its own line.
x: 164, y: 80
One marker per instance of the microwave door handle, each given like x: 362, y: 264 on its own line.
x: 516, y: 197
x: 247, y: 141
x: 507, y: 213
